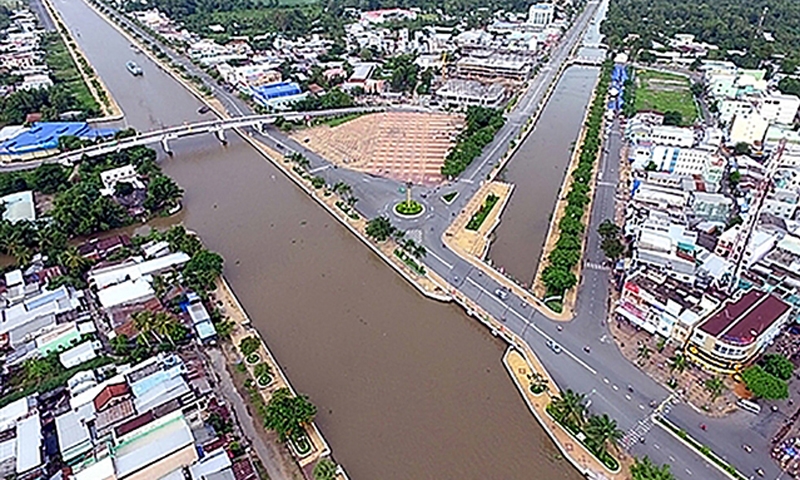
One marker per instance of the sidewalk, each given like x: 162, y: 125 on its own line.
x: 472, y: 246
x: 232, y: 309
x: 520, y: 366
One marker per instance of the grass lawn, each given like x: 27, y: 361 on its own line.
x: 66, y: 73
x: 336, y: 121
x: 665, y: 92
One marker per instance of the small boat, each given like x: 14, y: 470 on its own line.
x: 135, y: 70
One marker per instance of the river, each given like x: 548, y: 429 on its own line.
x: 407, y: 387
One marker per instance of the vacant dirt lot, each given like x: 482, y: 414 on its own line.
x: 406, y: 146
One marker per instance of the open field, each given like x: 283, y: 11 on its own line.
x: 405, y: 146
x: 665, y: 92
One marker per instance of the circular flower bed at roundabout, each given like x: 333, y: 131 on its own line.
x: 409, y: 209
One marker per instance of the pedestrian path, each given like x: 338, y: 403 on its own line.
x: 597, y: 266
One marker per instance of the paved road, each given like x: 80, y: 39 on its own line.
x: 44, y: 16
x: 613, y: 384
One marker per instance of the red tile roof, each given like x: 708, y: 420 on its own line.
x: 109, y: 393
x: 743, y: 320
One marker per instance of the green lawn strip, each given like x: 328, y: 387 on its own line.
x: 602, y: 456
x: 480, y: 216
x: 701, y: 448
x: 555, y: 305
x: 412, y: 264
x: 336, y: 121
x: 679, y: 98
x: 448, y: 198
x: 66, y: 72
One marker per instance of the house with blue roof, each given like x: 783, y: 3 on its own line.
x: 41, y: 139
x: 278, y: 96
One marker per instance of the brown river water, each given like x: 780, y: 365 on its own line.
x: 407, y: 388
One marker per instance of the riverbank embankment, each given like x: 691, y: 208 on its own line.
x: 101, y: 93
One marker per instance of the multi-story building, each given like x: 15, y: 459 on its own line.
x: 488, y: 65
x: 541, y: 14
x: 470, y: 92
x: 712, y: 207
x: 659, y: 304
x: 668, y: 246
x: 677, y: 160
x: 749, y: 128
x: 732, y: 107
x: 735, y: 333
x: 779, y: 108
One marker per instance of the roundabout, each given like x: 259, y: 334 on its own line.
x: 408, y: 209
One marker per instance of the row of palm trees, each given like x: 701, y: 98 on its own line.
x: 601, y: 431
x: 346, y: 191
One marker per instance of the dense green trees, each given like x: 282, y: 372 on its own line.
x: 287, y: 414
x: 380, y: 229
x: 778, y: 365
x: 162, y: 193
x: 789, y: 86
x: 332, y: 99
x: 764, y: 384
x: 201, y: 272
x: 730, y: 24
x: 645, y: 469
x: 482, y: 125
x: 325, y: 469
x: 403, y: 73
x: 557, y: 276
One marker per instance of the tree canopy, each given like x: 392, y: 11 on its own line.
x: 729, y: 24
x: 286, y: 414
x: 763, y: 384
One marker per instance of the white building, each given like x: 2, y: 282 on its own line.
x: 470, y: 92
x: 749, y: 128
x: 18, y: 206
x: 671, y: 135
x: 780, y: 108
x: 111, y: 178
x: 730, y: 108
x: 677, y: 160
x: 541, y: 14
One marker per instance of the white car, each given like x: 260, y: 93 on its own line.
x: 556, y: 348
x: 501, y: 293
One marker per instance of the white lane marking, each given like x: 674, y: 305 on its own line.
x: 320, y: 169
x: 437, y: 257
x: 534, y: 327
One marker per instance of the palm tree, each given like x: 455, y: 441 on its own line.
x: 143, y: 321
x: 643, y: 353
x: 419, y: 252
x: 678, y: 362
x: 409, y: 244
x: 22, y: 253
x: 571, y: 408
x: 71, y: 259
x: 351, y: 200
x: 602, y: 430
x: 714, y: 386
x: 163, y: 326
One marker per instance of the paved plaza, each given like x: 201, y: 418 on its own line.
x: 404, y: 146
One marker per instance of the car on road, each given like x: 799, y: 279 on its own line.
x: 556, y: 348
x: 501, y: 293
x: 203, y: 110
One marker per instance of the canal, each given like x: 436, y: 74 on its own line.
x: 537, y: 170
x: 407, y: 387
x: 538, y: 167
